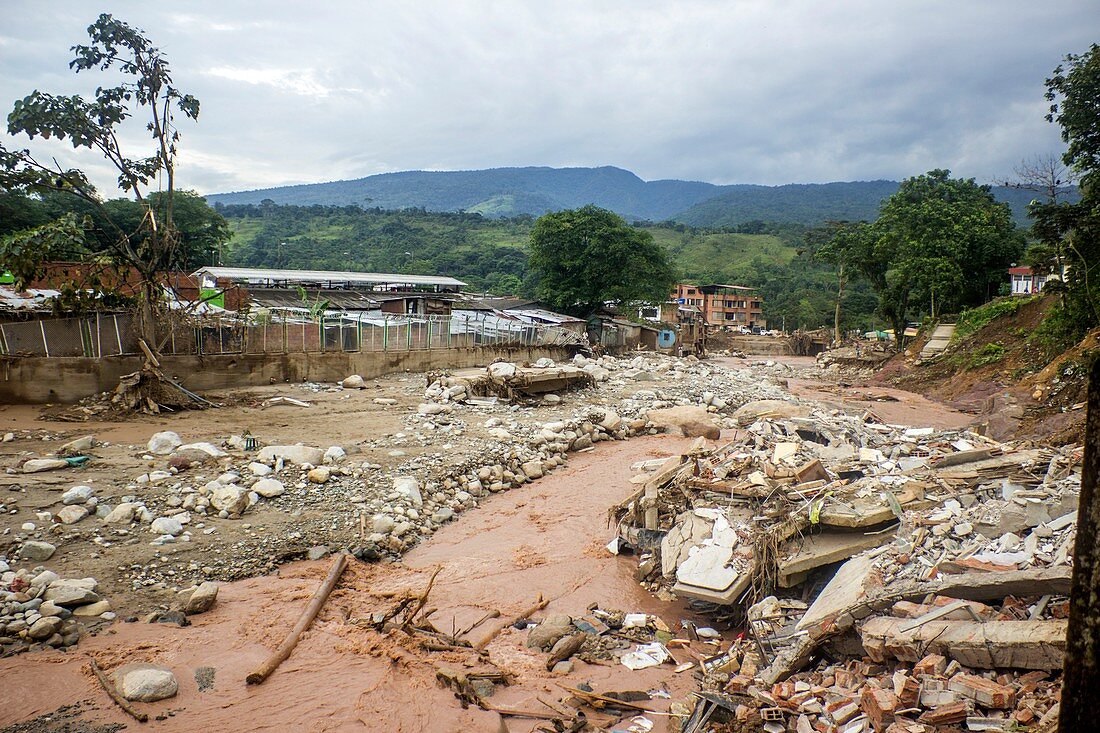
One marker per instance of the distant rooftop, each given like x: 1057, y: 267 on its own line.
x: 326, y: 278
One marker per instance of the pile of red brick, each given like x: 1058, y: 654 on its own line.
x: 933, y: 695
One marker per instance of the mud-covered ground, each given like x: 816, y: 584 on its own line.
x: 546, y: 537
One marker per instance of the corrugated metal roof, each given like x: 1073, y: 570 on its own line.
x: 32, y: 299
x: 260, y: 275
x: 283, y: 298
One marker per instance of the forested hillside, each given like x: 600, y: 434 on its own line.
x: 510, y: 192
x: 503, y: 192
x: 490, y: 254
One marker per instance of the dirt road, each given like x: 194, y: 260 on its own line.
x: 546, y: 537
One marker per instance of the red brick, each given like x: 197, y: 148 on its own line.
x: 933, y: 664
x: 909, y: 692
x: 879, y: 705
x: 983, y: 691
x: 952, y: 712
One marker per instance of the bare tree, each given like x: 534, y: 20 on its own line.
x: 1048, y: 177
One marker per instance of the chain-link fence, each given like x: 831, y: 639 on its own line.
x: 114, y: 334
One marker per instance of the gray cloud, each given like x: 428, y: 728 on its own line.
x: 752, y: 91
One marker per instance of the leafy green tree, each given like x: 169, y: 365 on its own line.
x: 1074, y: 228
x: 153, y: 245
x: 939, y: 241
x: 843, y: 245
x: 586, y: 257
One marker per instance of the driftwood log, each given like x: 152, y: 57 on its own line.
x: 539, y: 605
x: 320, y: 595
x: 116, y: 697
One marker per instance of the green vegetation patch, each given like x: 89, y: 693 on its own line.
x: 988, y: 354
x: 975, y: 319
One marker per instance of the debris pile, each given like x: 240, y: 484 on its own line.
x: 954, y: 547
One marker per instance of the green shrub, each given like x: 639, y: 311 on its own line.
x: 973, y: 320
x: 988, y: 354
x: 1057, y: 332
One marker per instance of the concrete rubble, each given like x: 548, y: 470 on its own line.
x: 888, y: 578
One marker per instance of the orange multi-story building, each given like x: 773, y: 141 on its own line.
x: 723, y: 305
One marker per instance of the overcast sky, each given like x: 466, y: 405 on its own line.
x: 761, y: 91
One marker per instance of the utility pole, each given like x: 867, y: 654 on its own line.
x: 1082, y: 661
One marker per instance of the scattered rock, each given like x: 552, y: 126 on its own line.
x: 145, y: 682
x: 200, y: 599
x: 163, y: 443
x: 268, y: 487
x: 36, y: 551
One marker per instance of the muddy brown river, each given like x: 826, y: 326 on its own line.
x: 545, y: 538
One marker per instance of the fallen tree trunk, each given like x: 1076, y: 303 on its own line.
x: 1083, y: 642
x: 541, y: 604
x: 320, y: 595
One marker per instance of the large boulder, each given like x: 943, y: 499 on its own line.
x: 145, y: 682
x: 200, y: 599
x: 77, y: 495
x: 71, y: 514
x: 268, y: 487
x: 353, y: 381
x: 691, y: 421
x: 547, y: 633
x: 36, y: 465
x: 502, y: 370
x: 68, y: 594
x: 167, y: 525
x: 231, y: 499
x: 122, y: 514
x: 36, y: 551
x: 163, y: 443
x: 292, y: 453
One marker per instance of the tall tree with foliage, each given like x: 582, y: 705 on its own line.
x: 151, y: 244
x: 586, y: 257
x: 1074, y: 228
x: 844, y: 245
x: 939, y: 244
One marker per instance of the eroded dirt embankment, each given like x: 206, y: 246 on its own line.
x: 544, y: 538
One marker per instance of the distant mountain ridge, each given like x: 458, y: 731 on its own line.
x: 508, y: 192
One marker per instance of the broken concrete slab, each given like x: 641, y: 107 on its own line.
x: 851, y: 584
x: 817, y: 550
x: 989, y: 645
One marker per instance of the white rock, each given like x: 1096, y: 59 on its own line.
x: 353, y: 381
x: 259, y: 469
x: 298, y: 454
x: 122, y: 514
x: 72, y: 514
x: 145, y: 682
x: 231, y: 499
x: 166, y: 525
x: 163, y: 443
x: 77, y: 495
x: 409, y: 487
x: 502, y: 370
x: 201, y: 599
x: 268, y: 487
x: 208, y: 448
x: 36, y: 465
x: 334, y: 454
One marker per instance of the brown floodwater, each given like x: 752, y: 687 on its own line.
x: 545, y: 538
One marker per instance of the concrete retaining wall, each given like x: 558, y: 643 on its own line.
x: 37, y: 380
